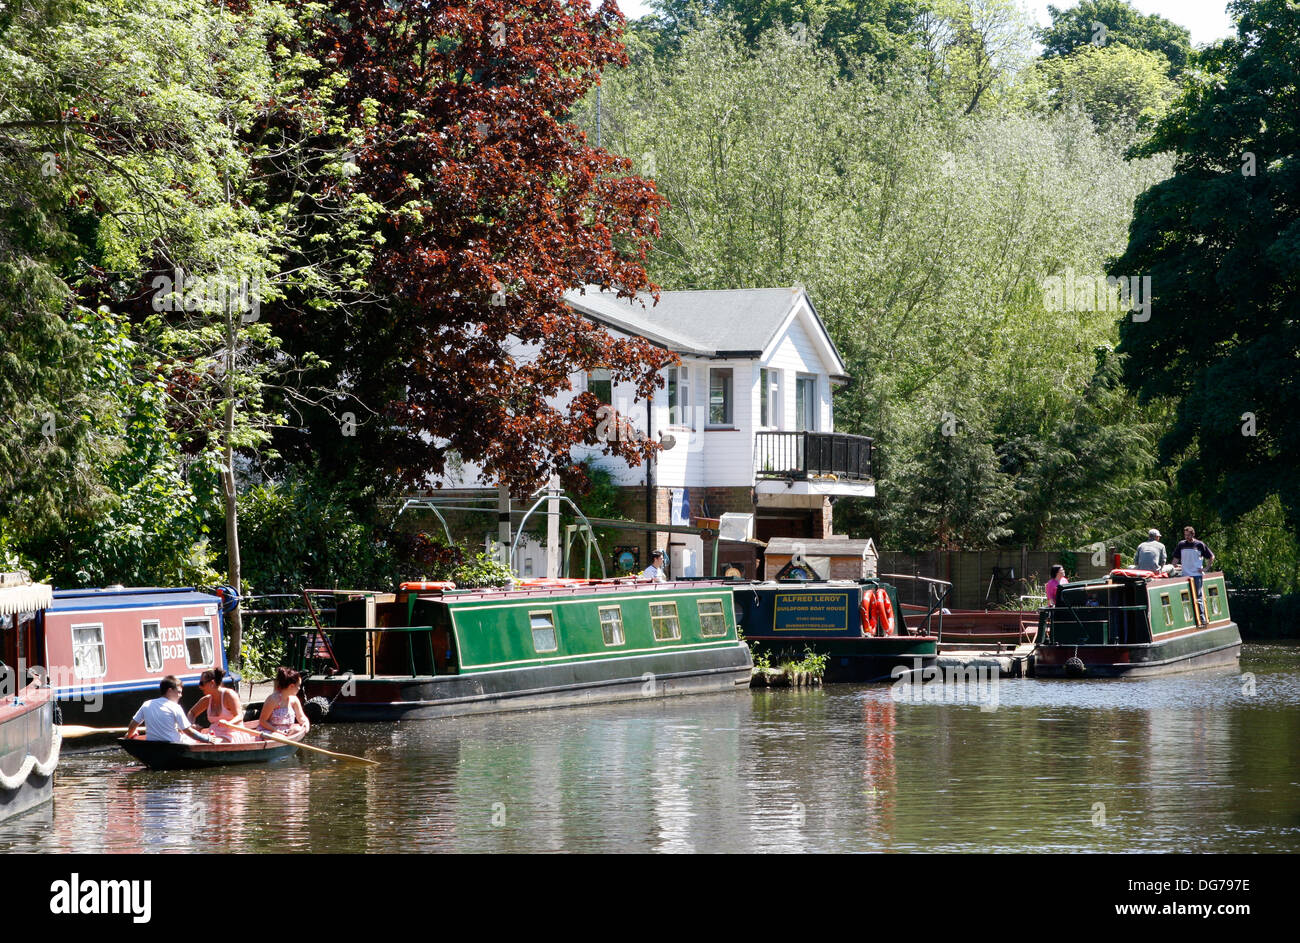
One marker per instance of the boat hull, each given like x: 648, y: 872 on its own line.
x: 160, y: 755
x: 1211, y: 647
x: 27, y: 740
x: 670, y: 674
x: 858, y: 659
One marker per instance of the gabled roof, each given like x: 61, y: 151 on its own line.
x: 739, y: 322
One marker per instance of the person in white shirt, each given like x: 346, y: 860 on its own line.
x: 655, y: 571
x: 163, y: 717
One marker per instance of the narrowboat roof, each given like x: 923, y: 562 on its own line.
x: 583, y: 588
x: 138, y: 597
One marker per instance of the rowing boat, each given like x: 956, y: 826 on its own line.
x: 159, y: 754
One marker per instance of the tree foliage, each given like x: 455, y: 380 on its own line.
x: 1115, y: 22
x: 1220, y: 240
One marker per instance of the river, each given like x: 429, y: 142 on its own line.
x: 1207, y: 761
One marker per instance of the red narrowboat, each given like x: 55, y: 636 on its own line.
x: 107, y: 649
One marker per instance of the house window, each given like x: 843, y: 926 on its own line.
x: 543, y: 631
x: 679, y: 396
x: 611, y: 625
x: 769, y: 397
x: 88, y: 659
x: 153, y: 655
x: 1187, y: 605
x: 805, y: 403
x: 713, y: 621
x: 1213, y: 595
x: 663, y: 619
x: 601, y: 386
x: 720, y: 400
x: 1168, y: 608
x: 198, y: 643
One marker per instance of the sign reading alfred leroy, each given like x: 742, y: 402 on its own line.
x: 812, y: 612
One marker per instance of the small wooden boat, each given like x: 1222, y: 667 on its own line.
x: 159, y: 754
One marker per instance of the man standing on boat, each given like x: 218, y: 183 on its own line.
x: 1192, y: 555
x: 163, y: 717
x: 655, y: 571
x: 1151, y: 553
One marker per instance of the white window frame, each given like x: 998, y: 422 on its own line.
x: 206, y: 622
x: 679, y: 385
x: 1212, y: 599
x: 729, y: 400
x: 621, y: 636
x: 771, y: 415
x: 1167, y: 609
x: 157, y: 641
x: 812, y: 405
x: 1189, y: 613
x: 555, y: 633
x: 675, y: 618
x: 721, y: 615
x: 103, y: 649
x: 601, y: 375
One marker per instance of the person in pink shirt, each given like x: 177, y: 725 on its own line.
x: 1055, y: 583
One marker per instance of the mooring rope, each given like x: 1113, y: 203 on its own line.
x: 30, y: 763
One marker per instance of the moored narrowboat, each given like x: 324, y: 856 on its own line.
x: 29, y: 739
x: 857, y: 624
x: 421, y: 654
x: 1136, y: 623
x: 107, y: 649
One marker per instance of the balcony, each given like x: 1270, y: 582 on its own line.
x: 805, y: 456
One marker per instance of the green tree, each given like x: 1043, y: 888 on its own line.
x: 1120, y: 88
x: 1109, y: 22
x: 1220, y: 240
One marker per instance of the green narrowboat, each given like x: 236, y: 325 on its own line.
x: 428, y: 653
x: 1135, y: 623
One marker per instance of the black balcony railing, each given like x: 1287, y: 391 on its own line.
x: 804, y: 455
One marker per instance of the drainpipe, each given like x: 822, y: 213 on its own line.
x: 649, y: 481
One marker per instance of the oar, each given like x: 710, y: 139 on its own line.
x: 279, y: 739
x: 72, y: 731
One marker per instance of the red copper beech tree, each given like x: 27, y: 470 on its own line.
x: 493, y: 205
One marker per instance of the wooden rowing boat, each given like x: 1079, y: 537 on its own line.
x: 159, y: 754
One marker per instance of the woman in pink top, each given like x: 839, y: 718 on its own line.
x: 1055, y: 583
x: 221, y: 704
x: 282, y: 711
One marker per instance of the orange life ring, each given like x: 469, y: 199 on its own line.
x: 884, y: 611
x: 419, y: 586
x: 868, y: 610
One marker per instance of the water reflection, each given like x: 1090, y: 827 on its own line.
x: 1196, y: 763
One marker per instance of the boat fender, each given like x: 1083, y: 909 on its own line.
x: 1074, y: 667
x: 884, y: 613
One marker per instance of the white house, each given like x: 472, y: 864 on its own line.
x: 746, y: 418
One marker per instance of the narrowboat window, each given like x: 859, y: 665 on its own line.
x: 543, y: 631
x: 198, y: 643
x: 1168, y: 608
x: 663, y: 619
x: 713, y: 621
x: 153, y: 655
x: 88, y: 659
x: 1186, y: 598
x: 611, y: 624
x: 1214, y: 601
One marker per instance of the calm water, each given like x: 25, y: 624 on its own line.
x: 1187, y: 763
